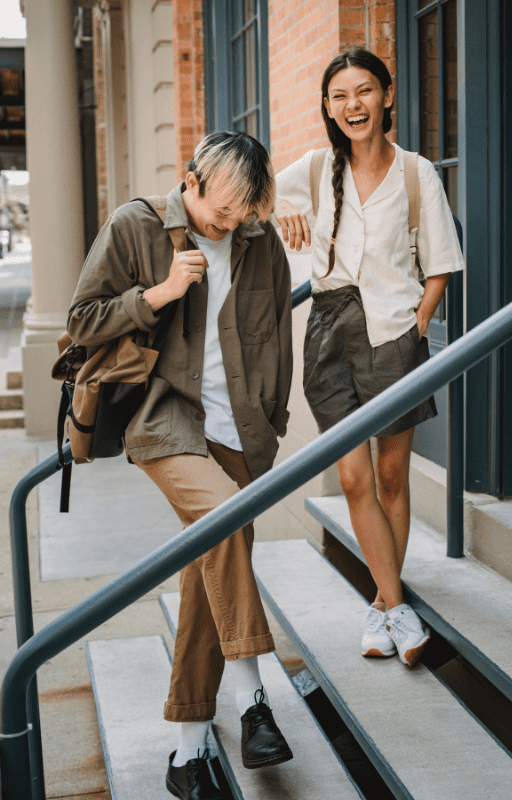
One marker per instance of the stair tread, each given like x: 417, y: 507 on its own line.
x: 315, y: 771
x: 471, y: 598
x: 435, y: 747
x: 12, y: 419
x: 130, y: 677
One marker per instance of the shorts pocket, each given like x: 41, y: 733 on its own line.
x: 415, y: 334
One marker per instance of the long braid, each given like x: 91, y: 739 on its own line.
x: 341, y: 144
x: 337, y: 185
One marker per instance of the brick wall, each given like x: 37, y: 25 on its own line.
x: 190, y: 119
x: 304, y: 36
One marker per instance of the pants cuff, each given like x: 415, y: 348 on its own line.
x: 244, y: 648
x: 198, y: 712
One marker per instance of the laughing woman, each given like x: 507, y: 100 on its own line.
x: 369, y: 314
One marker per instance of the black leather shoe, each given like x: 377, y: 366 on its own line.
x: 263, y: 744
x: 192, y: 781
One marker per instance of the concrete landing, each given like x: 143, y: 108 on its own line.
x: 117, y: 516
x: 423, y: 741
x: 314, y: 772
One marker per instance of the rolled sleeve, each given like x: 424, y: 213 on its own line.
x: 138, y: 309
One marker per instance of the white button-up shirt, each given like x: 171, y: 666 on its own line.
x: 372, y: 248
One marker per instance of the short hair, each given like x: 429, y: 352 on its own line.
x: 244, y: 162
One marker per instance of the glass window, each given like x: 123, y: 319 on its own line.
x: 450, y: 79
x: 236, y: 44
x: 245, y: 62
x: 436, y: 26
x: 429, y: 87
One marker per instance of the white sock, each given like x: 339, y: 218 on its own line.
x: 192, y: 739
x: 246, y: 676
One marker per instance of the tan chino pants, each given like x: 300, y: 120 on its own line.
x: 221, y: 614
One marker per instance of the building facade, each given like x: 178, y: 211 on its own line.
x: 168, y: 71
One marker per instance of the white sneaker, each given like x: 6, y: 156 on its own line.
x: 408, y: 633
x: 376, y: 640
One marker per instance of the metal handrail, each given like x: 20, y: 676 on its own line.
x: 217, y: 525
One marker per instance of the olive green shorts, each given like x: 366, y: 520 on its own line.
x: 342, y: 371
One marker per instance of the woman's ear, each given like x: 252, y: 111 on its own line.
x: 389, y: 96
x: 328, y: 107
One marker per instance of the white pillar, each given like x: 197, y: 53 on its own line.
x: 56, y: 208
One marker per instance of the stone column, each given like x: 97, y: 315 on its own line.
x: 56, y: 207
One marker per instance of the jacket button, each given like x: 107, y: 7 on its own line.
x: 195, y: 376
x: 199, y: 416
x: 198, y: 328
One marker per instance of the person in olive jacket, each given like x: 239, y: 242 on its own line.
x: 215, y: 404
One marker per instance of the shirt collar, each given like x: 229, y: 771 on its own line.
x: 176, y: 216
x: 392, y: 182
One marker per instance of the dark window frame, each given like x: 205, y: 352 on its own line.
x: 484, y: 183
x: 221, y: 37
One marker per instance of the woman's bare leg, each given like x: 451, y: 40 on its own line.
x: 371, y: 526
x: 393, y: 461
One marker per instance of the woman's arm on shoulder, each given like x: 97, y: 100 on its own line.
x: 293, y: 208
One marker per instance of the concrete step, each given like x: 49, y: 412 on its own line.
x: 315, y: 771
x: 129, y: 678
x: 469, y: 605
x: 12, y: 419
x: 487, y: 520
x: 418, y: 735
x: 14, y: 370
x: 11, y: 400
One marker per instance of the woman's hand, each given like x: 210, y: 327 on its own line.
x: 434, y: 290
x: 293, y: 224
x: 186, y: 268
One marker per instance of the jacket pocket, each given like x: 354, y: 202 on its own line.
x: 256, y: 315
x: 151, y: 422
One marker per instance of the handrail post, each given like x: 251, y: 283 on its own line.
x: 455, y: 457
x: 24, y: 613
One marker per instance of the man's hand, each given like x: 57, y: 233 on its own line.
x: 186, y: 268
x: 294, y: 225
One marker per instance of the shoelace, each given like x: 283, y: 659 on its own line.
x: 374, y: 620
x: 197, y: 766
x: 259, y: 716
x: 406, y: 623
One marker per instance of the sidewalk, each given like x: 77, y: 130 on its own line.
x: 116, y: 517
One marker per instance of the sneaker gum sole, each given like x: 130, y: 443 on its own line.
x: 411, y: 656
x: 268, y: 762
x: 374, y: 652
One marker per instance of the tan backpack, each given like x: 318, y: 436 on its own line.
x: 101, y: 393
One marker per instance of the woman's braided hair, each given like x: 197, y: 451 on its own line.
x: 341, y: 144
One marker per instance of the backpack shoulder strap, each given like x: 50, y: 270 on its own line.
x: 412, y: 184
x: 159, y: 206
x: 315, y: 173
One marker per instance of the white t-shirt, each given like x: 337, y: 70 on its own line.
x: 372, y: 248
x: 219, y: 424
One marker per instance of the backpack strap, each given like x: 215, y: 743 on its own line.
x: 412, y: 185
x: 315, y: 174
x: 178, y: 238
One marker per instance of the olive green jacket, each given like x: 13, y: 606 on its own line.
x: 134, y: 252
